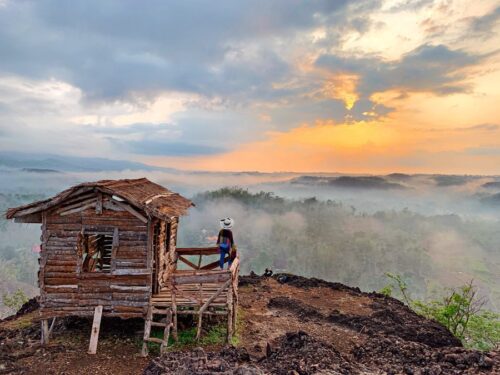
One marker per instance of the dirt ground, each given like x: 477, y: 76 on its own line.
x: 287, y: 325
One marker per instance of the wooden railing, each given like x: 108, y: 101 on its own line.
x: 182, y: 252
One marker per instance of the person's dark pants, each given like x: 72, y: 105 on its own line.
x: 224, y: 250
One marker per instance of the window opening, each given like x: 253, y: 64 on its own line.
x: 97, y: 251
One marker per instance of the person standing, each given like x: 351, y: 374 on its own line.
x: 225, y: 241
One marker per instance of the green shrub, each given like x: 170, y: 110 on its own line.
x: 460, y: 310
x: 15, y: 300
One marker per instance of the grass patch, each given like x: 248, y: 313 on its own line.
x: 213, y: 335
x: 21, y: 322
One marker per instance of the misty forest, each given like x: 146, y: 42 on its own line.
x: 436, y: 232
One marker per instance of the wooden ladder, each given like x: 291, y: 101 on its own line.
x: 152, y: 311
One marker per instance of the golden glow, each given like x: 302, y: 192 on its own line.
x: 342, y: 87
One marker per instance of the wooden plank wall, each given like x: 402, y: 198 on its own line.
x: 65, y: 290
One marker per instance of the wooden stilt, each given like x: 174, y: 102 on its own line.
x: 52, y: 326
x: 226, y: 285
x: 147, y: 331
x: 45, y: 331
x: 166, y: 333
x: 198, y: 331
x: 229, y: 315
x: 174, y: 316
x: 96, y: 325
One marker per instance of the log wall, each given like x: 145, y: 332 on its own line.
x: 66, y: 290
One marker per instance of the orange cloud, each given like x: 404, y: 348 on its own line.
x: 342, y: 87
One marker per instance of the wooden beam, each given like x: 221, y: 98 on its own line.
x: 30, y: 219
x: 109, y: 205
x: 187, y: 296
x: 131, y: 210
x: 197, y: 250
x: 213, y: 265
x: 190, y: 264
x: 131, y: 271
x: 78, y: 209
x: 69, y: 207
x: 197, y: 279
x: 96, y: 325
x: 98, y: 206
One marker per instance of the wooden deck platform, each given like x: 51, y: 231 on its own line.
x: 200, y: 290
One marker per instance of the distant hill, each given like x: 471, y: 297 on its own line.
x: 43, y: 163
x: 450, y: 180
x: 399, y: 176
x: 491, y: 185
x: 348, y: 182
x: 40, y: 170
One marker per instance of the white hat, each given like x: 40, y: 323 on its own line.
x: 226, y: 223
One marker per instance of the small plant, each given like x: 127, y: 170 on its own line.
x: 15, y: 300
x: 386, y: 290
x: 401, y: 284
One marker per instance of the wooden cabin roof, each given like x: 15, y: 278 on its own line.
x: 153, y: 199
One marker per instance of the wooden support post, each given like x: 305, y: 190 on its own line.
x: 207, y: 303
x: 174, y: 313
x: 52, y: 326
x: 45, y: 332
x: 96, y: 325
x: 198, y: 330
x: 147, y: 330
x: 166, y: 333
x: 229, y: 315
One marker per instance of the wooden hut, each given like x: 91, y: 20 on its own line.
x: 109, y: 248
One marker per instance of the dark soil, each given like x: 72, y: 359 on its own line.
x: 299, y: 353
x: 292, y: 352
x: 397, y: 356
x: 390, y: 316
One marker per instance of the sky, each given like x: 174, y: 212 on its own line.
x: 285, y: 85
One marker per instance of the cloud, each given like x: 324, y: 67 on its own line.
x: 112, y: 50
x: 428, y: 68
x: 151, y: 147
x: 485, y: 24
x: 484, y: 151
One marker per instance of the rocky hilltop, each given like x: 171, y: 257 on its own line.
x: 287, y: 325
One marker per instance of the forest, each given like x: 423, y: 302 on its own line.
x: 331, y: 241
x: 314, y: 237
